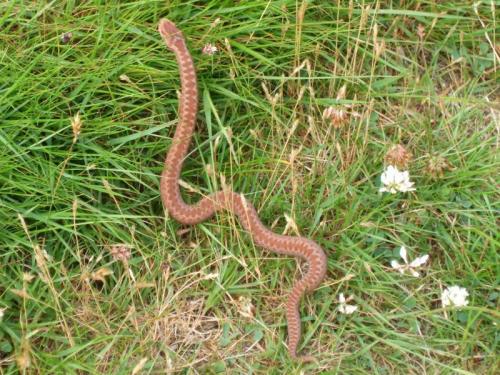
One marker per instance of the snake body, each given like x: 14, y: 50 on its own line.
x: 226, y: 199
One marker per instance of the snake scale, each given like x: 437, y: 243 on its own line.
x: 228, y: 200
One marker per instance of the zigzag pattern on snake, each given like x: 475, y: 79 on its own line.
x: 228, y: 200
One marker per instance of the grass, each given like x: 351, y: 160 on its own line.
x: 203, y: 299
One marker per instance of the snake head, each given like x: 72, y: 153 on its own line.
x: 171, y: 34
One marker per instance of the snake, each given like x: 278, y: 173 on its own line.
x: 226, y: 199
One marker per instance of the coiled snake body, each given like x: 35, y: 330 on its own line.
x: 228, y: 200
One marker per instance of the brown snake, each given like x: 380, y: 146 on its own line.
x: 228, y: 200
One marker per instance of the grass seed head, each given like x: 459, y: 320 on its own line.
x: 23, y: 358
x: 124, y: 78
x: 76, y: 125
x: 101, y: 274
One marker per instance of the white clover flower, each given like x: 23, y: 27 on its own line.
x: 455, y: 296
x: 209, y: 49
x: 344, y: 308
x: 410, y: 267
x: 394, y: 181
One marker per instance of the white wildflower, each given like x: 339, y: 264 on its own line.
x: 2, y: 313
x: 394, y: 181
x: 344, y: 308
x: 455, y: 296
x: 410, y: 267
x: 209, y: 49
